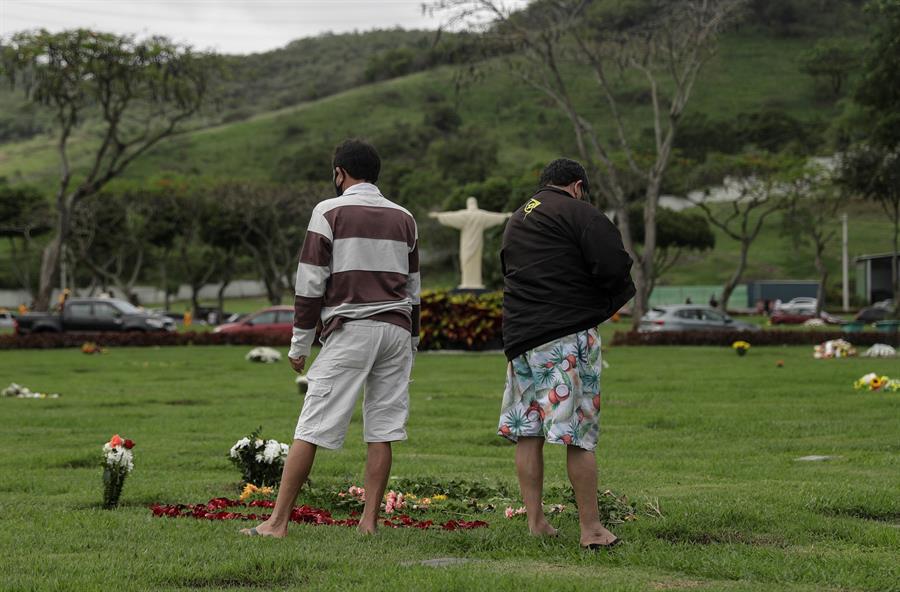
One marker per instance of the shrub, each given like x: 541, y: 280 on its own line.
x: 461, y: 321
x: 726, y: 338
x: 58, y: 340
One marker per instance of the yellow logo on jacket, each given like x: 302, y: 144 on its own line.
x: 531, y: 206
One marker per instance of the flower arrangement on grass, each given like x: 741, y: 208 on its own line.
x: 835, y: 348
x: 741, y: 347
x: 263, y: 355
x: 117, y: 462
x: 90, y: 348
x: 18, y: 391
x: 874, y: 382
x: 259, y: 461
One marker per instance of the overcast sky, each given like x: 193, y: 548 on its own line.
x: 228, y: 26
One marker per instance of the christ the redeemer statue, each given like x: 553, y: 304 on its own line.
x: 471, y: 222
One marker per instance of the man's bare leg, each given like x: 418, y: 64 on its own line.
x: 582, y: 468
x: 530, y: 469
x: 378, y: 470
x: 296, y: 470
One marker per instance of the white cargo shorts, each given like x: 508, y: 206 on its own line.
x: 370, y: 354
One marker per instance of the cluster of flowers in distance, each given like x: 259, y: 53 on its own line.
x: 874, y: 382
x: 23, y: 392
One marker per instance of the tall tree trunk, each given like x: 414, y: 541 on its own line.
x: 823, y: 280
x: 49, y: 268
x: 895, y: 273
x: 735, y: 279
x: 164, y: 275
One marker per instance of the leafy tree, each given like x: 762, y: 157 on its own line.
x: 663, y: 43
x: 831, y: 61
x: 140, y: 90
x: 879, y: 87
x: 272, y: 228
x: 677, y: 232
x: 757, y: 184
x: 24, y: 215
x: 813, y: 200
x: 873, y: 172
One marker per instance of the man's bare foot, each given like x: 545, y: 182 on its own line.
x: 367, y: 529
x: 543, y: 529
x: 265, y: 529
x: 597, y: 535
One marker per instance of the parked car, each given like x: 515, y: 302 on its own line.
x: 277, y: 320
x: 879, y: 311
x: 684, y: 317
x: 7, y: 319
x: 797, y: 304
x: 801, y: 315
x: 93, y: 314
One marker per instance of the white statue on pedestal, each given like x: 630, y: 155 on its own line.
x: 471, y: 222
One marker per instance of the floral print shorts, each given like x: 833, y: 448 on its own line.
x: 554, y: 391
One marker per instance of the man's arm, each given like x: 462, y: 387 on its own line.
x: 313, y: 272
x: 414, y: 290
x: 604, y: 253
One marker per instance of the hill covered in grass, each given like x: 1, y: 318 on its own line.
x: 446, y: 130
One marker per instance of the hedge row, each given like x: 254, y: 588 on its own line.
x: 57, y: 340
x: 449, y: 321
x: 755, y: 338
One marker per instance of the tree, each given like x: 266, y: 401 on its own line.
x: 874, y: 173
x: 114, y: 233
x: 814, y: 201
x: 141, y: 91
x: 677, y: 232
x: 757, y: 189
x: 663, y: 43
x: 879, y: 87
x: 24, y: 215
x: 831, y: 61
x: 272, y: 229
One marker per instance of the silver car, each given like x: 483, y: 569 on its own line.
x: 688, y: 317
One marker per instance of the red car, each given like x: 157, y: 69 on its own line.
x: 276, y: 320
x: 800, y: 316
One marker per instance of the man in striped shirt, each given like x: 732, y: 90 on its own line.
x: 359, y: 277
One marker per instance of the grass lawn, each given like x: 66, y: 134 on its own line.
x: 712, y: 436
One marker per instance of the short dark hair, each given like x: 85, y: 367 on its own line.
x: 359, y: 159
x: 564, y: 171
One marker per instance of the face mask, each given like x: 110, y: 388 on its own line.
x: 338, y: 190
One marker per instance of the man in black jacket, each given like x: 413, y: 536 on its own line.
x: 565, y: 272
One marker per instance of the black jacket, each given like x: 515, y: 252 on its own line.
x: 565, y: 270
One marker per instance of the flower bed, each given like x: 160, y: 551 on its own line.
x: 449, y: 321
x: 136, y: 339
x: 221, y: 508
x: 461, y: 321
x: 759, y: 338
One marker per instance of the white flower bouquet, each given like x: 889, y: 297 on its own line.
x: 263, y: 355
x: 117, y: 462
x: 22, y: 392
x: 259, y: 461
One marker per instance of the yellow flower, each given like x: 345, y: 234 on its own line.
x: 439, y: 498
x: 249, y: 490
x: 740, y: 345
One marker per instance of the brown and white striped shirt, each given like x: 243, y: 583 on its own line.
x: 360, y: 260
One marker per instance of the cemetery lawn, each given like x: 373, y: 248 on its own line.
x: 711, y: 436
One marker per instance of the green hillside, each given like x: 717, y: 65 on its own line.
x: 753, y: 71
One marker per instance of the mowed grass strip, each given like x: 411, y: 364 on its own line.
x: 711, y: 436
